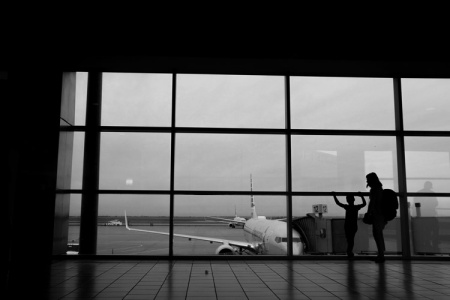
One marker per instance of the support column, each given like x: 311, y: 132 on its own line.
x: 401, y: 170
x: 91, y: 166
x: 65, y: 156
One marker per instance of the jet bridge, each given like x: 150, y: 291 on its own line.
x: 326, y: 235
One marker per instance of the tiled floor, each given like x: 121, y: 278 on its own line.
x: 259, y: 280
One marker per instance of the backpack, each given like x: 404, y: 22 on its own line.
x: 389, y: 204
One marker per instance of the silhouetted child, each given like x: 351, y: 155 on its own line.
x: 351, y: 219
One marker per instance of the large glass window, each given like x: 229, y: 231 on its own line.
x: 342, y: 103
x: 426, y: 104
x: 225, y: 164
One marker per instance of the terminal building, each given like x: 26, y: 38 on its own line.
x: 171, y: 140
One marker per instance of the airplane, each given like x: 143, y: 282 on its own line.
x: 263, y: 236
x: 232, y: 223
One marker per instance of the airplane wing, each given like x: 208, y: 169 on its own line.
x: 239, y: 244
x: 228, y: 220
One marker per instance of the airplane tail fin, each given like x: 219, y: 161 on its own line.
x: 252, y: 204
x: 126, y: 220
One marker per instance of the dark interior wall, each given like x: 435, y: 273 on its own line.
x: 32, y: 115
x: 424, y: 64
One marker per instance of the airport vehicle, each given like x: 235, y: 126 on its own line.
x: 263, y: 236
x: 114, y: 223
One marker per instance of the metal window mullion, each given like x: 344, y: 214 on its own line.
x: 288, y: 167
x: 401, y: 170
x: 172, y: 165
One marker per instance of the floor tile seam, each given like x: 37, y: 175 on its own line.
x: 265, y: 284
x: 191, y: 266
x: 238, y: 281
x: 214, y: 280
x: 140, y: 280
x: 168, y: 274
x: 123, y: 275
x: 93, y: 278
x: 285, y: 280
x: 311, y: 280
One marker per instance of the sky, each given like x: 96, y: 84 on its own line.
x: 141, y: 161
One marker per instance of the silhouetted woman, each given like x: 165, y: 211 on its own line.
x: 376, y: 197
x: 351, y: 220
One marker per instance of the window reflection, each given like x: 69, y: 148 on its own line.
x: 427, y: 160
x: 70, y: 160
x: 73, y: 236
x: 340, y: 163
x: 430, y: 223
x: 73, y: 99
x: 81, y: 96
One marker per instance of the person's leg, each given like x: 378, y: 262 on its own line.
x: 350, y: 236
x: 377, y: 230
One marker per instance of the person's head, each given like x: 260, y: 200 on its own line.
x: 372, y: 180
x: 428, y: 185
x: 350, y: 199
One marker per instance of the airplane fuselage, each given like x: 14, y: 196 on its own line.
x: 270, y: 236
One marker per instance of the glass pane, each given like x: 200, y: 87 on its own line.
x: 73, y: 99
x: 230, y: 101
x: 66, y: 229
x: 427, y: 164
x: 80, y: 98
x: 340, y: 163
x: 200, y: 217
x: 144, y: 212
x: 325, y: 232
x: 342, y: 103
x: 132, y: 99
x: 430, y: 224
x: 426, y: 104
x: 226, y: 162
x: 74, y: 224
x: 135, y: 161
x: 70, y: 160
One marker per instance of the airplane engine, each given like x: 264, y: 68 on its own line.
x: 231, y: 225
x: 225, y: 250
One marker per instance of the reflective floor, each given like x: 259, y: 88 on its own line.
x: 201, y: 280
